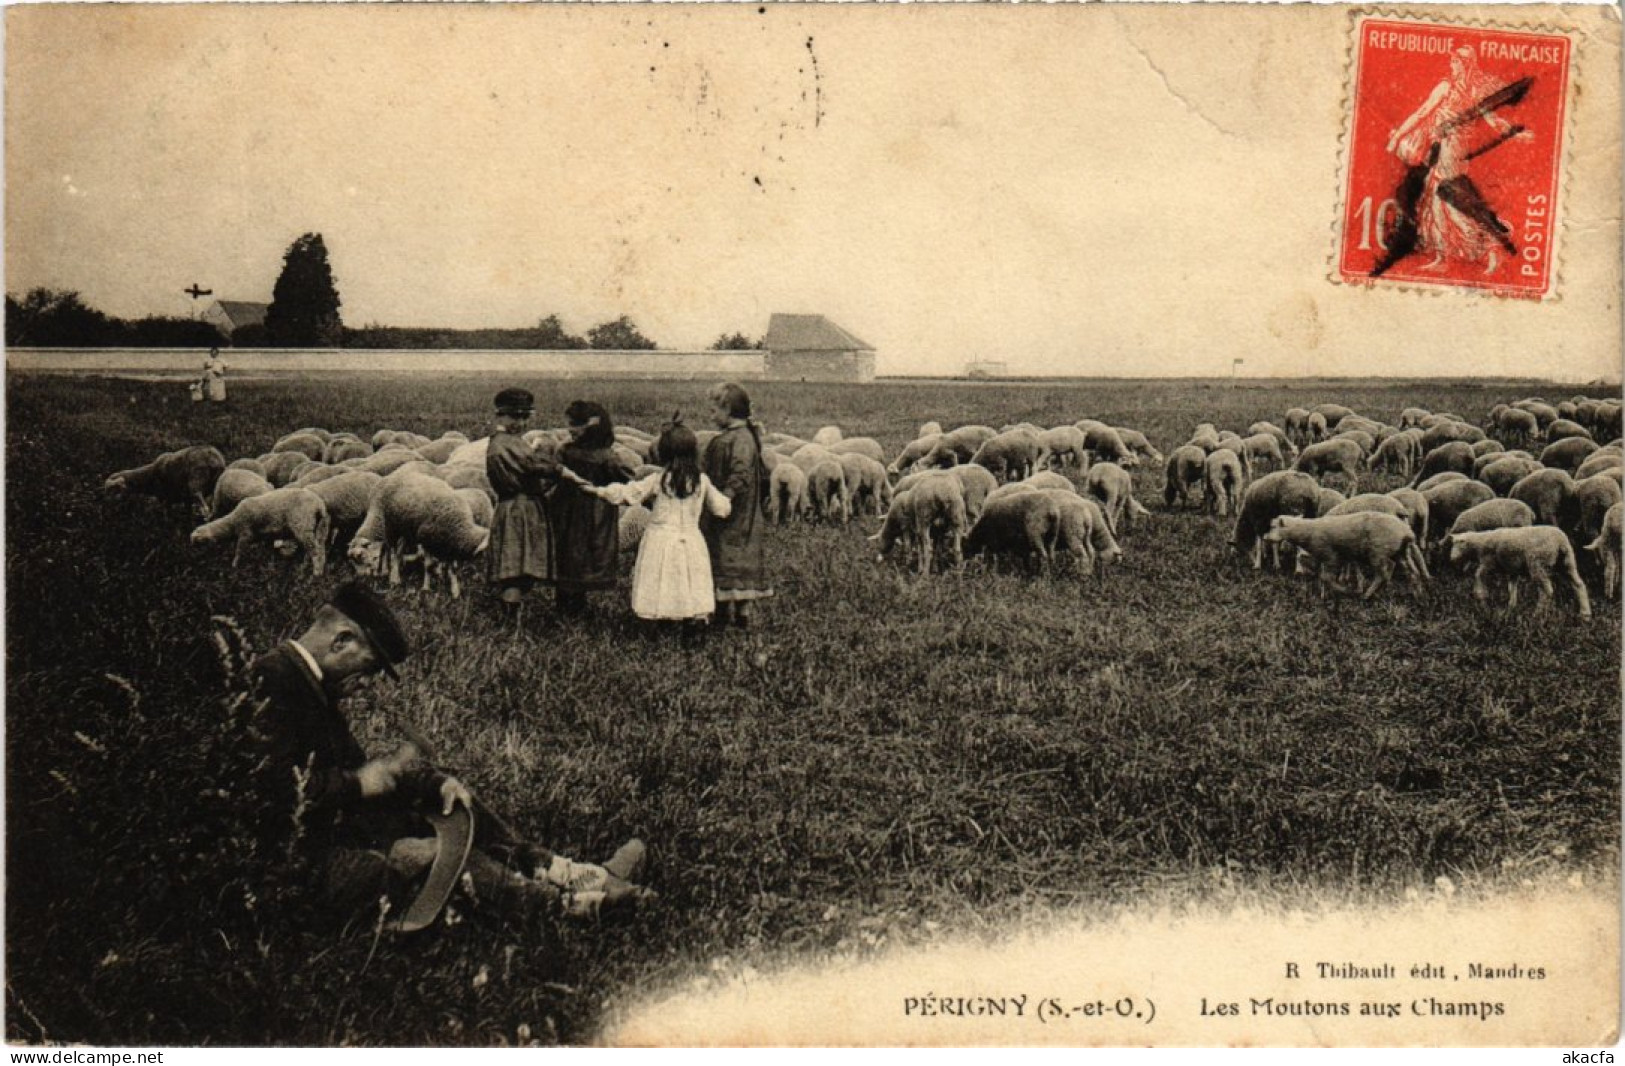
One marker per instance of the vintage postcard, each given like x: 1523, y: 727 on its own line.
x: 766, y: 524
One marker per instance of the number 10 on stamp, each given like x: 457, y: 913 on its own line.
x: 1454, y: 146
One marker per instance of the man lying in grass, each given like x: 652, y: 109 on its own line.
x: 362, y: 823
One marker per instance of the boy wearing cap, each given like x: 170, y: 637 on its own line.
x: 521, y: 549
x: 348, y: 810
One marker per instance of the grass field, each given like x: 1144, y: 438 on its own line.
x: 888, y: 756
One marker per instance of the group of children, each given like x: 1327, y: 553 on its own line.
x: 557, y: 520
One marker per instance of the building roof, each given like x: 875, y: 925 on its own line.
x: 243, y: 312
x: 810, y: 333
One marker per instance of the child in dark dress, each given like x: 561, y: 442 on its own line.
x: 586, y: 530
x: 737, y: 541
x: 521, y: 550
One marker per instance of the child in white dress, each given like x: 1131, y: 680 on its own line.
x: 672, y: 577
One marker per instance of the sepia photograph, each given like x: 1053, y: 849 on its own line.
x: 812, y: 525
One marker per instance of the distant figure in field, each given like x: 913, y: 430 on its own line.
x: 586, y: 529
x: 672, y: 577
x: 733, y: 462
x: 214, y: 377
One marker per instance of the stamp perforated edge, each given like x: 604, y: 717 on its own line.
x: 1506, y: 19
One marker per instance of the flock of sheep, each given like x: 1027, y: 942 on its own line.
x: 1475, y: 494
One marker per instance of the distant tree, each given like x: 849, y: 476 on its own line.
x: 304, y: 311
x: 621, y: 334
x: 735, y: 342
x: 250, y: 335
x: 550, y: 334
x: 55, y: 318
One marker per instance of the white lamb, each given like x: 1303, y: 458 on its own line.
x: 416, y: 511
x: 787, y: 493
x: 295, y: 515
x: 235, y: 486
x: 1533, y: 551
x: 1371, y: 543
x: 1607, y: 548
x: 1113, y: 487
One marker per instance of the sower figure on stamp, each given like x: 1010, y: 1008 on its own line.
x: 363, y: 822
x: 1451, y: 217
x: 737, y: 542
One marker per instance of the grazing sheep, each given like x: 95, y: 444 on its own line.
x: 826, y: 491
x: 1297, y: 425
x: 1185, y: 473
x: 307, y: 444
x: 1593, y: 497
x: 1358, y: 424
x: 1114, y: 488
x: 316, y: 431
x: 1412, y: 416
x: 1550, y: 492
x: 481, y: 508
x: 1331, y: 457
x: 1372, y: 544
x: 1262, y: 451
x: 1515, y: 426
x: 1206, y: 437
x: 1598, y: 461
x: 233, y: 488
x: 1446, y: 502
x: 1536, y: 552
x: 1327, y: 501
x: 473, y: 453
x: 346, y: 497
x: 929, y: 515
x: 247, y: 464
x: 1399, y: 453
x: 929, y: 429
x: 1563, y: 429
x: 1366, y: 441
x: 787, y: 493
x: 1502, y: 472
x: 1140, y: 446
x: 338, y: 450
x: 186, y: 475
x: 1285, y: 492
x: 1487, y: 446
x: 865, y: 446
x: 1567, y: 454
x: 1005, y: 491
x: 389, y: 460
x: 1010, y: 456
x: 1443, y: 478
x: 1372, y: 503
x: 440, y: 451
x: 1607, y: 549
x: 958, y: 446
x: 1080, y: 531
x: 1049, y: 479
x: 975, y: 482
x: 827, y: 435
x: 279, y: 515
x: 1020, y: 524
x: 1454, y: 456
x: 810, y: 455
x: 865, y: 482
x: 1450, y: 433
x: 1066, y: 446
x: 913, y: 452
x: 464, y: 477
x: 1222, y: 480
x: 1105, y: 444
x: 413, y: 511
x: 1289, y: 449
x: 1416, y: 505
x: 1317, y: 426
x: 1544, y: 412
x: 1332, y: 412
x: 1492, y: 514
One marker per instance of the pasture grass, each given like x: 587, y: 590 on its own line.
x: 887, y: 756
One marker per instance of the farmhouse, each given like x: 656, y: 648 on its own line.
x: 228, y: 316
x: 812, y: 348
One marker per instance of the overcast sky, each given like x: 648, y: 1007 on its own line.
x: 1093, y: 190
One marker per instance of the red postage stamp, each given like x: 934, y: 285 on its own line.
x: 1454, y: 146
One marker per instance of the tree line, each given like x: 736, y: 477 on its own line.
x: 303, y: 313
